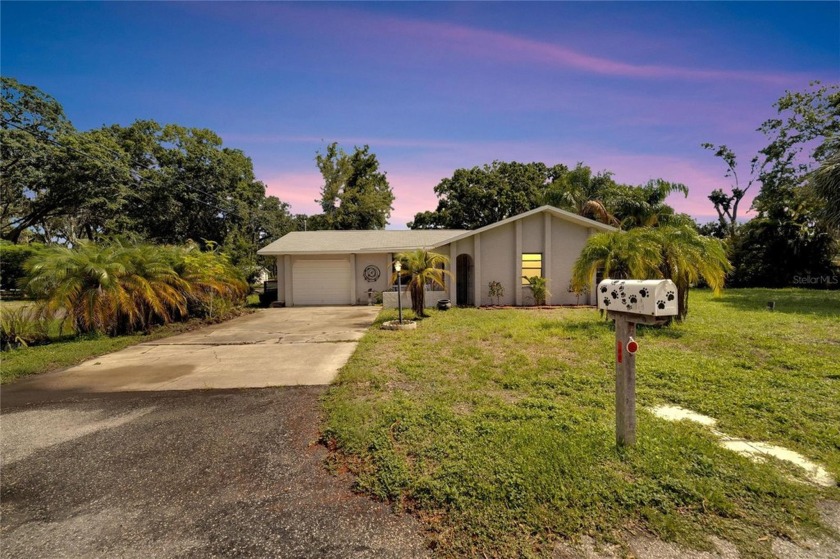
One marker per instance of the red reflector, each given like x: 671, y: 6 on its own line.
x: 632, y: 346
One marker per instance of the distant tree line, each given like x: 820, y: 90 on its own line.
x: 479, y: 196
x: 167, y: 184
x: 794, y: 233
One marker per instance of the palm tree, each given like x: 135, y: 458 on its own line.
x: 212, y: 279
x: 539, y: 289
x: 422, y: 268
x: 687, y: 257
x: 645, y: 206
x: 115, y: 289
x: 84, y: 283
x: 159, y: 293
x: 107, y: 288
x: 677, y: 253
x: 824, y: 185
x: 579, y: 192
x: 620, y: 255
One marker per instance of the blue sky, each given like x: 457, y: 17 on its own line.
x: 630, y: 87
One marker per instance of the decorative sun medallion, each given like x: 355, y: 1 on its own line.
x: 371, y: 273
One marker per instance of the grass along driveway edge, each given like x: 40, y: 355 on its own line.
x: 69, y: 351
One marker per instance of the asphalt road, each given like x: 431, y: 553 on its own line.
x: 234, y: 473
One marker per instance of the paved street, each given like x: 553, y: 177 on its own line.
x: 233, y: 473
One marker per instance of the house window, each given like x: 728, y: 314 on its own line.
x: 531, y: 266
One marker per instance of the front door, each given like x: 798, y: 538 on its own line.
x: 464, y: 280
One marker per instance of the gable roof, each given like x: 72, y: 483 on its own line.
x: 343, y: 242
x: 372, y: 241
x: 556, y: 212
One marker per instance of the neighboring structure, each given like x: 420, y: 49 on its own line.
x: 344, y: 267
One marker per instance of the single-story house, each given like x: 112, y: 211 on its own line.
x: 348, y: 267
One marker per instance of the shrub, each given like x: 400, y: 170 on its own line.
x: 539, y: 289
x: 21, y: 327
x: 496, y: 291
x: 211, y: 278
x: 114, y: 289
x: 12, y: 260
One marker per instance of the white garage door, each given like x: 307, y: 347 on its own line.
x: 321, y: 282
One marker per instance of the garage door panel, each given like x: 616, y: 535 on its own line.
x: 321, y: 282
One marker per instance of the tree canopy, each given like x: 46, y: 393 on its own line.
x: 157, y: 183
x: 479, y: 196
x: 355, y: 194
x: 793, y: 233
x: 476, y: 197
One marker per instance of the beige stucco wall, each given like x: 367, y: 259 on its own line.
x: 390, y: 299
x: 359, y: 261
x: 532, y: 234
x: 496, y: 255
x: 281, y: 279
x: 567, y: 240
x: 501, y: 258
x: 381, y: 261
x: 498, y: 262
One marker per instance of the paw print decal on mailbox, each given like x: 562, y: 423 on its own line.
x: 641, y: 297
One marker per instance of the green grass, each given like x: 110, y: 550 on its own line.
x: 14, y: 304
x: 496, y: 426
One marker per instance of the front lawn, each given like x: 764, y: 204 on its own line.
x: 496, y: 426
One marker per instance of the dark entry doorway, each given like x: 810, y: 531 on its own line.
x: 464, y: 280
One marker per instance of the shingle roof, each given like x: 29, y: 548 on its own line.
x: 339, y: 242
x: 345, y: 242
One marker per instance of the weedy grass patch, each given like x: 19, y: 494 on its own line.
x: 496, y: 426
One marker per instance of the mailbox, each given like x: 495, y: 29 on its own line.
x: 643, y: 297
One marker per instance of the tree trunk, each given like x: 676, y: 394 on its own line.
x: 682, y: 302
x: 418, y: 297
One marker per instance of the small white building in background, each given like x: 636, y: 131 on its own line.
x: 343, y: 267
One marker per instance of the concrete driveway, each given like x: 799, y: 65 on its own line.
x: 271, y: 347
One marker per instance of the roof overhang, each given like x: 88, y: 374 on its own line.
x: 556, y: 212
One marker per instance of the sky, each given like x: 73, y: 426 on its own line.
x: 633, y: 88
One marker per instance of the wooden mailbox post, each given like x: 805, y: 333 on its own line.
x: 631, y: 302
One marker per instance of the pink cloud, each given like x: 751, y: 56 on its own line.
x: 412, y: 191
x: 298, y: 189
x: 511, y: 48
x: 446, y: 38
